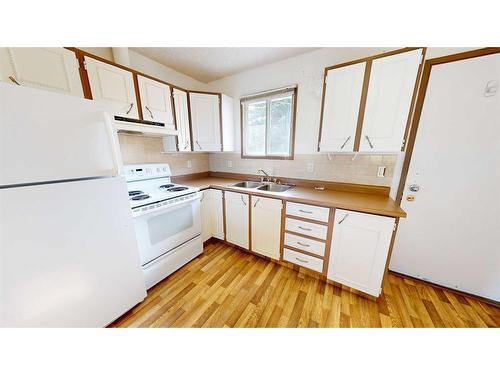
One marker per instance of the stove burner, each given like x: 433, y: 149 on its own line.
x: 140, y: 197
x: 133, y: 193
x: 166, y: 186
x: 179, y: 188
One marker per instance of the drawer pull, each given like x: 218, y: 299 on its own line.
x: 304, y: 228
x: 306, y: 212
x: 303, y: 244
x: 345, y: 217
x: 302, y: 260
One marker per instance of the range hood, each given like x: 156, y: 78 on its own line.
x: 126, y: 125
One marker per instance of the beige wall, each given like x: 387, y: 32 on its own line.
x: 138, y: 149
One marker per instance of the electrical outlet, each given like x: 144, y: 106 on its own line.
x: 381, y: 171
x: 229, y: 163
x: 189, y: 164
x: 310, y: 167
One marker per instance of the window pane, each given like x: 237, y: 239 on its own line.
x: 279, y: 127
x: 255, y: 135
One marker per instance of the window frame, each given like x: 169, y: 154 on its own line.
x: 269, y: 95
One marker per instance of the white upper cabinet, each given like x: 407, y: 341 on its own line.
x: 182, y: 120
x: 266, y: 226
x: 359, y: 250
x: 227, y: 123
x: 114, y: 86
x: 343, y: 88
x: 156, y: 101
x: 54, y: 69
x: 390, y: 91
x: 237, y: 218
x: 205, y: 122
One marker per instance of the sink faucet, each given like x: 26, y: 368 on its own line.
x: 266, y: 178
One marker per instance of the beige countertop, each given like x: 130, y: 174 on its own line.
x: 363, y: 202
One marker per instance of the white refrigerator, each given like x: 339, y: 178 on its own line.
x: 68, y: 252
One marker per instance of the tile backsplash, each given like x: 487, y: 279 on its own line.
x: 139, y: 149
x: 351, y: 168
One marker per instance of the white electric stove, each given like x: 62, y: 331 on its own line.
x: 167, y: 220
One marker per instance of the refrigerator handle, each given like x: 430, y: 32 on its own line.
x: 113, y: 140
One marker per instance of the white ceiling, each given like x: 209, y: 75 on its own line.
x: 207, y: 64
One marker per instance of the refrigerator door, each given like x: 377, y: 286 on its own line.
x: 46, y: 136
x: 68, y: 255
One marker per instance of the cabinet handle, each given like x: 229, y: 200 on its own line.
x: 369, y: 142
x: 306, y: 212
x: 303, y: 244
x: 241, y: 196
x: 186, y: 146
x: 130, y: 108
x: 257, y: 201
x: 150, y: 113
x: 202, y: 197
x: 302, y: 260
x: 199, y: 145
x: 303, y: 228
x: 343, y: 144
x: 14, y: 80
x: 345, y: 217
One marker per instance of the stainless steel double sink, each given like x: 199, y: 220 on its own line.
x: 264, y: 186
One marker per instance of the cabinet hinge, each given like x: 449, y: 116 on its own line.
x: 403, y: 144
x: 84, y: 64
x: 395, y: 227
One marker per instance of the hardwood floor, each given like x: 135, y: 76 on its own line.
x: 226, y: 287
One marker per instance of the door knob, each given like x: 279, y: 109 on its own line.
x: 414, y: 188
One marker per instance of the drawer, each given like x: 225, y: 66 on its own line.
x: 307, y: 228
x: 307, y: 211
x: 303, y: 260
x: 302, y: 243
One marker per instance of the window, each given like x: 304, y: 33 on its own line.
x: 268, y: 122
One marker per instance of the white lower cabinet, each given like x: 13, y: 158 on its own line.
x: 266, y: 226
x: 237, y: 218
x: 359, y: 250
x: 212, y: 217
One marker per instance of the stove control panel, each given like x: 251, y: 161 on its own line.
x: 136, y: 172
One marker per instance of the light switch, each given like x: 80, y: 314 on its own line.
x: 381, y: 171
x: 310, y: 167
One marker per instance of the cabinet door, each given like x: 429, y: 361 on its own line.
x: 206, y: 215
x: 359, y: 249
x: 237, y: 218
x: 54, y: 69
x: 266, y: 226
x: 114, y: 86
x: 341, y: 107
x: 182, y: 119
x: 156, y: 101
x: 217, y: 214
x: 390, y: 91
x: 205, y: 122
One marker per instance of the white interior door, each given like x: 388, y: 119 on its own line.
x: 451, y: 235
x: 156, y: 101
x: 392, y: 81
x: 182, y: 119
x: 205, y: 122
x: 54, y: 69
x: 112, y: 86
x: 341, y: 107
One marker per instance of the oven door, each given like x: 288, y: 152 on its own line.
x: 163, y: 230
